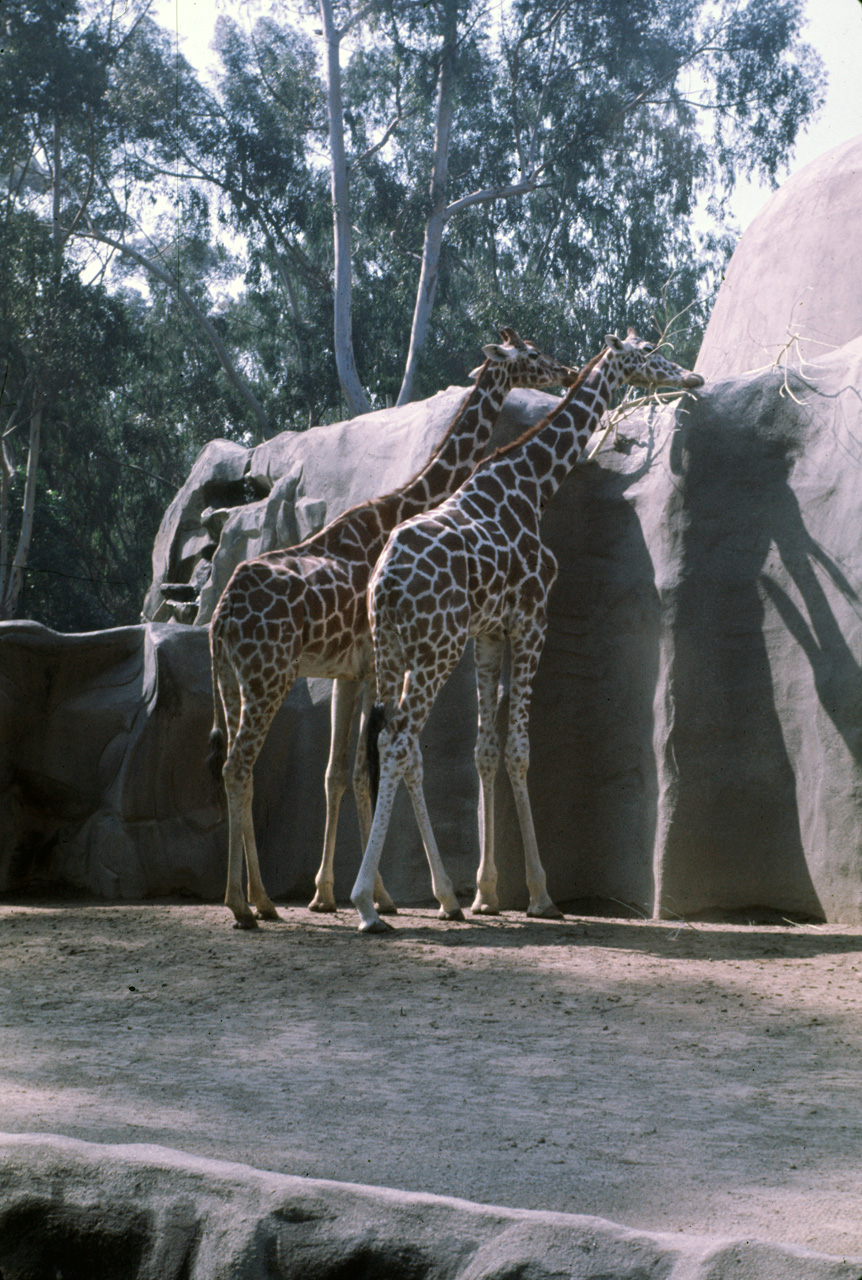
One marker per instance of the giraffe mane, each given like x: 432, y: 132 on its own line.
x: 538, y: 426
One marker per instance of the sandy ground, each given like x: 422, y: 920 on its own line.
x: 676, y: 1077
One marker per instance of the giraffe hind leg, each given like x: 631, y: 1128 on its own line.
x: 235, y: 788
x: 362, y: 794
x: 256, y: 716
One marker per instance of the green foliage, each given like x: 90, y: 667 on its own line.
x: 625, y: 123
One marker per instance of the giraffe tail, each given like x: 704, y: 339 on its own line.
x: 376, y: 724
x: 217, y: 753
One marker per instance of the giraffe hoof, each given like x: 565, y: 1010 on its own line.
x: 269, y: 913
x: 386, y: 908
x: 323, y: 905
x: 455, y: 914
x: 549, y: 912
x: 375, y: 926
x: 485, y: 909
x: 245, y: 922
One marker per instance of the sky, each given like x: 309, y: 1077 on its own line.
x: 834, y: 28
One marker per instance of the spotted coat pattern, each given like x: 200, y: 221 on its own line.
x: 476, y: 567
x: 302, y: 612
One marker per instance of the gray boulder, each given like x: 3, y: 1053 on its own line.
x: 217, y: 480
x: 697, y: 711
x: 81, y: 1210
x: 102, y: 762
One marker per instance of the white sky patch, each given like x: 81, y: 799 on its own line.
x: 835, y: 30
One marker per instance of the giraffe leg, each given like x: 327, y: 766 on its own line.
x: 344, y: 697
x: 362, y: 896
x: 252, y: 724
x: 258, y: 896
x: 362, y: 795
x: 441, y: 885
x: 400, y: 758
x: 489, y: 662
x: 235, y: 785
x: 525, y: 659
x: 244, y: 917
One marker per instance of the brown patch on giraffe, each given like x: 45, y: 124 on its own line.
x: 258, y: 601
x: 483, y: 505
x: 438, y: 555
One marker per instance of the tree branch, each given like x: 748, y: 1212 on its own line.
x: 495, y: 193
x: 235, y: 378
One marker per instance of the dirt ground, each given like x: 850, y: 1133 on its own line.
x: 697, y: 1077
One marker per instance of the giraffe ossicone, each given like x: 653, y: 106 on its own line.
x: 302, y: 612
x: 476, y: 567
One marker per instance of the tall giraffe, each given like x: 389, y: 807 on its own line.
x: 302, y: 612
x: 476, y: 567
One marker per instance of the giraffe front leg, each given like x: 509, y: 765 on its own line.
x: 344, y: 697
x: 489, y: 662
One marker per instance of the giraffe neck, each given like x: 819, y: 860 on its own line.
x: 460, y: 449
x: 538, y: 463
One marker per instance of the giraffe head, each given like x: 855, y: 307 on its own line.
x: 642, y: 365
x: 522, y: 364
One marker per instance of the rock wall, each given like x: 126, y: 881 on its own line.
x: 102, y: 762
x: 696, y: 729
x: 89, y: 1212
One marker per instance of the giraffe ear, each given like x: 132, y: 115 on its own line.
x: 495, y: 352
x: 612, y: 341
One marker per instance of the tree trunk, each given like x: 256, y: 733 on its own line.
x: 12, y: 576
x: 436, y: 222
x: 357, y: 401
x: 56, y: 201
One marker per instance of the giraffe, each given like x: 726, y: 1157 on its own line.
x: 476, y: 567
x: 302, y: 612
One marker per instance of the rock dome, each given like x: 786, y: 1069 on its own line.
x: 797, y: 271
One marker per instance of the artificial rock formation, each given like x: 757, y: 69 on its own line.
x: 102, y: 762
x: 696, y: 726
x: 89, y: 1212
x: 696, y: 729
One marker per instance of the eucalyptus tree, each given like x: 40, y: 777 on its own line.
x: 70, y: 350
x: 52, y: 88
x: 564, y: 145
